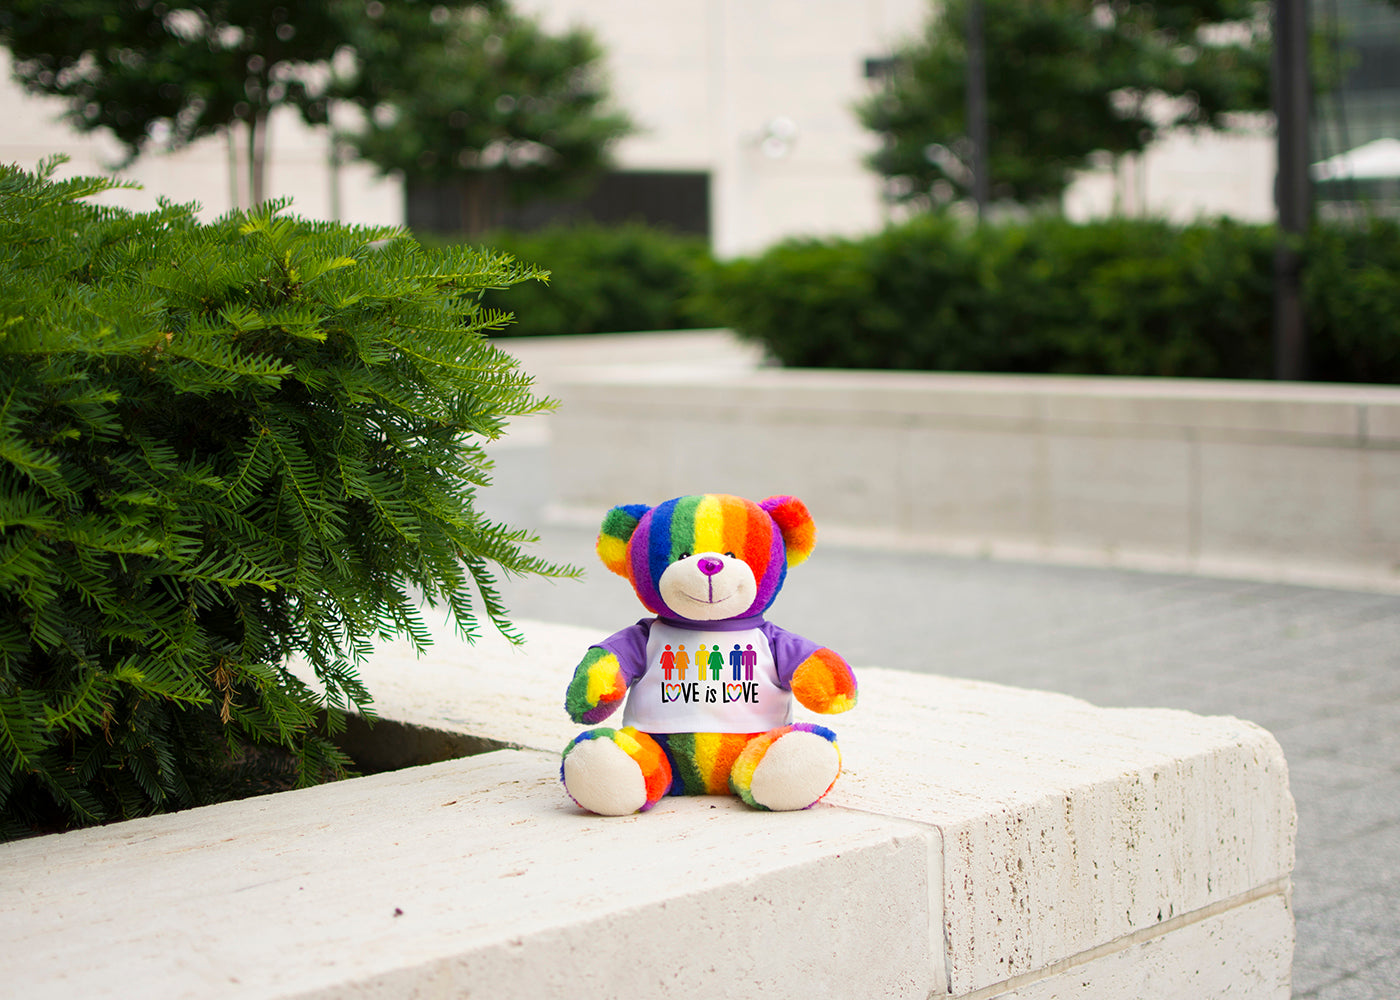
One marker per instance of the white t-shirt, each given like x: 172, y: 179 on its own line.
x: 733, y: 689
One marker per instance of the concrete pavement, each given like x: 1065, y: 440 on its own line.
x: 1319, y: 668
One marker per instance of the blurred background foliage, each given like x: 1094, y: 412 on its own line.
x: 1134, y: 297
x: 605, y: 279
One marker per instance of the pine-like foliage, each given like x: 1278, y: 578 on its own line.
x: 221, y: 445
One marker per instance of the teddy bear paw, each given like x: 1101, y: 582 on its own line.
x: 602, y: 778
x: 794, y: 771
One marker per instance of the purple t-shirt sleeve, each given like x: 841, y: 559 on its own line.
x: 630, y: 648
x: 789, y: 650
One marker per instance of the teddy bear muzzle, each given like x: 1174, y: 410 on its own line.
x: 708, y: 586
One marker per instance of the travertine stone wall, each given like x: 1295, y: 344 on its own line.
x: 1280, y: 481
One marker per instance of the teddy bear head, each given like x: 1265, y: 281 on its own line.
x: 708, y: 557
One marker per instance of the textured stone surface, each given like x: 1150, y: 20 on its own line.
x: 1260, y: 480
x: 984, y: 840
x: 471, y: 878
x: 1064, y: 826
x: 1200, y: 959
x: 1068, y: 826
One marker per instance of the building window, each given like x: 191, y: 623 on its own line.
x: 1362, y: 103
x: 676, y: 201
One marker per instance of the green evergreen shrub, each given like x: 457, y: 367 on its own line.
x: 222, y: 445
x: 1118, y: 297
x: 603, y: 279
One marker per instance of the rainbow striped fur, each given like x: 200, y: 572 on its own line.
x: 639, y: 542
x: 597, y: 689
x: 708, y: 685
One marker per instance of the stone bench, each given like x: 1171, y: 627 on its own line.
x: 984, y: 841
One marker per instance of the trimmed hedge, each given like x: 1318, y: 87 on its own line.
x: 1120, y: 297
x: 603, y: 280
x: 1352, y: 295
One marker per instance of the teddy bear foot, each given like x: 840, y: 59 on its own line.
x: 791, y: 771
x: 615, y: 772
x: 601, y: 778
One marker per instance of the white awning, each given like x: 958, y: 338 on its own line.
x: 1371, y: 161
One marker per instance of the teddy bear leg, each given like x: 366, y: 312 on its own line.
x: 615, y: 772
x: 703, y: 762
x: 787, y: 768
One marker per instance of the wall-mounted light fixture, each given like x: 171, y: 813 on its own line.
x: 776, y: 138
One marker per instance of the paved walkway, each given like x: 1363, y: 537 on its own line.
x: 1319, y: 668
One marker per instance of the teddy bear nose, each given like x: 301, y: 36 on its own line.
x: 710, y: 565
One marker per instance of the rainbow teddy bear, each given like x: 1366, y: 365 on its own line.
x: 708, y: 683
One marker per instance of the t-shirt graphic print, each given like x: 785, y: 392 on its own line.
x: 699, y: 681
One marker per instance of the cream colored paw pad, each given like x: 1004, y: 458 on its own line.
x: 602, y: 778
x: 798, y: 769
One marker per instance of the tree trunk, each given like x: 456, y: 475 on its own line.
x: 235, y: 190
x: 1292, y: 187
x: 483, y: 197
x: 977, y: 128
x: 257, y: 158
x: 334, y: 163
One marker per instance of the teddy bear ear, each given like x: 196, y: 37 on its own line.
x: 795, y: 523
x: 618, y: 526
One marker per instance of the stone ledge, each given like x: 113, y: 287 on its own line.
x: 985, y: 841
x: 1280, y: 481
x: 1222, y: 409
x: 467, y: 878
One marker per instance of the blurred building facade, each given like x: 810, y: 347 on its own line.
x: 757, y: 96
x: 1362, y: 38
x: 1360, y: 104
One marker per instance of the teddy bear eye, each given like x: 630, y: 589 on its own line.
x: 683, y: 555
x: 729, y: 555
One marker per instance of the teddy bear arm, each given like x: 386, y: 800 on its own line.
x: 824, y: 683
x: 597, y: 688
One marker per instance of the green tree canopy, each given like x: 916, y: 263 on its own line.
x: 448, y: 89
x: 1065, y: 79
x: 480, y: 92
x: 171, y: 73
